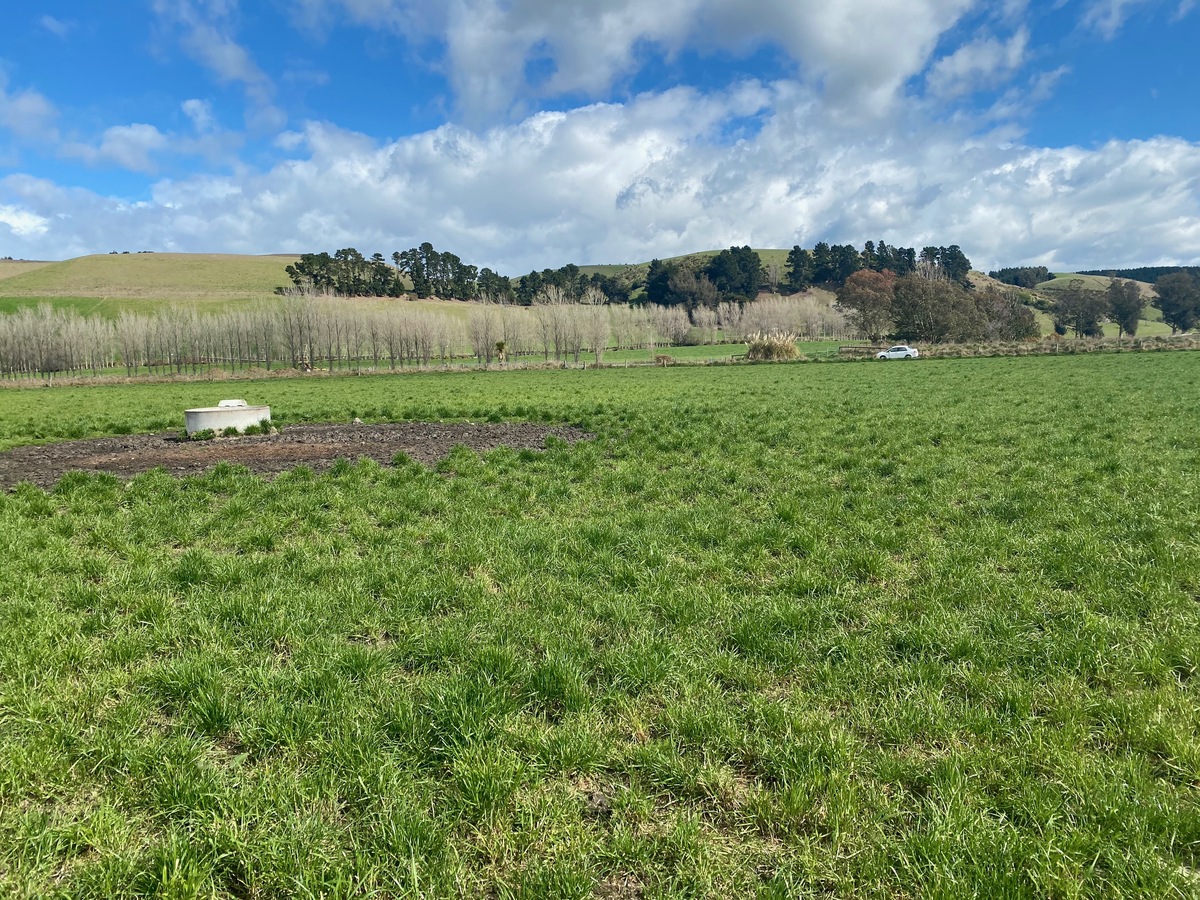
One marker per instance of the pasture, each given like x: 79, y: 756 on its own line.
x: 110, y: 284
x: 12, y: 267
x: 868, y: 630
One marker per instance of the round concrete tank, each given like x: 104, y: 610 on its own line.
x: 226, y: 414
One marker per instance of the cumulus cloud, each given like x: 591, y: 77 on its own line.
x: 201, y: 114
x: 983, y: 62
x: 655, y: 177
x: 130, y: 147
x: 861, y: 53
x: 21, y: 222
x: 26, y: 113
x: 145, y: 149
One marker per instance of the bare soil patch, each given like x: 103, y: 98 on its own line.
x: 315, y: 446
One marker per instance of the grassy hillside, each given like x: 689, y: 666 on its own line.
x: 1150, y: 326
x: 160, y: 276
x: 864, y: 631
x: 110, y: 284
x: 10, y: 268
x: 1062, y: 280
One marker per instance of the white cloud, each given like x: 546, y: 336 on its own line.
x: 201, y: 114
x: 1020, y: 101
x: 205, y: 36
x: 205, y: 33
x: 57, y: 27
x: 27, y: 114
x: 141, y: 148
x: 130, y: 147
x: 1107, y: 16
x: 21, y: 222
x: 655, y: 177
x: 985, y: 62
x: 396, y: 15
x: 861, y: 52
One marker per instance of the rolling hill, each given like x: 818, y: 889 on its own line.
x: 10, y: 268
x: 109, y: 284
x: 1062, y: 280
x: 165, y: 276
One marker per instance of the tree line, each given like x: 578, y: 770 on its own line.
x: 1022, y: 276
x: 931, y: 306
x: 1177, y: 296
x: 421, y: 270
x: 1083, y: 312
x: 1149, y: 274
x: 427, y: 272
x: 832, y: 265
x: 573, y: 283
x: 307, y: 332
x: 736, y: 274
x: 733, y: 275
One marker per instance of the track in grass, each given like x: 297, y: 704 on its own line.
x: 316, y: 446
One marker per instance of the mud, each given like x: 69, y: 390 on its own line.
x: 315, y: 446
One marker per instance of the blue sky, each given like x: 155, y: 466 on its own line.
x: 529, y: 133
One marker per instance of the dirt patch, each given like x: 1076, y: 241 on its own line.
x: 315, y: 446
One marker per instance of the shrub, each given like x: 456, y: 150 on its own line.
x: 773, y: 345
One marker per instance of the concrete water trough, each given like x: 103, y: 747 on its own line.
x: 226, y: 414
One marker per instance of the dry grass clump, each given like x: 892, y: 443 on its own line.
x: 777, y: 345
x: 1055, y: 345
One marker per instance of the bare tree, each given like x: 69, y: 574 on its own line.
x: 594, y: 326
x: 515, y: 331
x: 483, y: 330
x: 729, y: 319
x: 671, y: 324
x: 774, y: 273
x: 705, y: 322
x: 548, y: 315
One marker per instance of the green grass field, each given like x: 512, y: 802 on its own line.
x: 1151, y: 326
x: 778, y: 631
x: 1062, y: 280
x: 156, y: 276
x: 108, y: 285
x: 10, y: 268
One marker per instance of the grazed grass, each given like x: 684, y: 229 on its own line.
x: 155, y: 275
x: 1150, y: 326
x: 848, y: 630
x: 1062, y: 280
x: 12, y: 267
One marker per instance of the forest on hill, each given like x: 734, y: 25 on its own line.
x: 734, y: 274
x: 1144, y: 273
